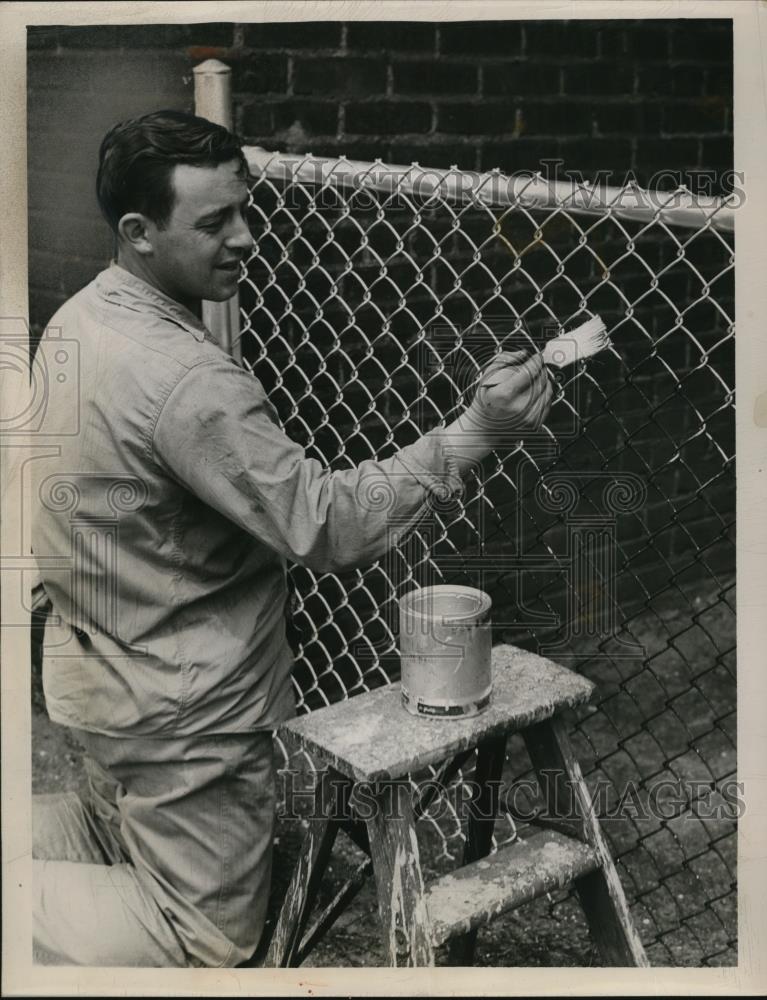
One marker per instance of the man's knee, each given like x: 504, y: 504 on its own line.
x: 99, y: 915
x: 60, y: 829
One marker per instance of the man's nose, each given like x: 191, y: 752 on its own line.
x: 240, y: 237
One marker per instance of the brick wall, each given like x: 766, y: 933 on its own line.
x: 644, y: 96
x: 599, y: 95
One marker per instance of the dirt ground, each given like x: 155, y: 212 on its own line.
x: 685, y: 908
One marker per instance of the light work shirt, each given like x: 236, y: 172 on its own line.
x: 163, y: 526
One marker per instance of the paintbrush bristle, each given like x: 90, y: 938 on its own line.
x: 576, y: 345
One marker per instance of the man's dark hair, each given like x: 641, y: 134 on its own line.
x: 137, y: 157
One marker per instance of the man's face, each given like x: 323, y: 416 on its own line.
x: 197, y: 255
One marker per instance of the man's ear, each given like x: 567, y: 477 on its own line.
x: 133, y: 229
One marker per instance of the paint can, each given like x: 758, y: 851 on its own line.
x: 445, y: 651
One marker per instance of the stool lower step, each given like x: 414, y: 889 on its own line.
x: 477, y: 893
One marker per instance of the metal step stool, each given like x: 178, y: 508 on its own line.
x: 373, y: 740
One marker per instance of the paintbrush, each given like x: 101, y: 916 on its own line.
x: 576, y: 345
x: 573, y: 345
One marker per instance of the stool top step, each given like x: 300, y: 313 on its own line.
x: 372, y: 737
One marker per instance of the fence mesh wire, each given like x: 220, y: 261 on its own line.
x: 606, y: 540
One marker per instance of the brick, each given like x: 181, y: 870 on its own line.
x: 341, y: 76
x: 659, y: 154
x: 612, y: 38
x: 399, y: 36
x: 704, y: 115
x: 603, y: 78
x: 320, y: 117
x: 485, y: 118
x: 648, y: 39
x: 388, y: 118
x: 717, y: 153
x: 293, y: 35
x: 430, y: 154
x: 719, y: 81
x: 729, y: 182
x: 576, y: 39
x: 260, y: 73
x: 352, y: 150
x: 434, y: 77
x: 666, y: 81
x: 522, y: 78
x: 708, y: 41
x: 256, y: 120
x: 481, y: 38
x: 591, y: 155
x: 634, y: 119
x: 556, y: 118
x: 519, y: 154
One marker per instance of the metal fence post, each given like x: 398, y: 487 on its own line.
x: 213, y: 100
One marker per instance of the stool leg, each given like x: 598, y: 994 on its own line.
x: 394, y: 850
x: 305, y: 882
x: 600, y: 893
x: 484, y: 808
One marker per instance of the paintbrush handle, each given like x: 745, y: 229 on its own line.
x: 492, y: 385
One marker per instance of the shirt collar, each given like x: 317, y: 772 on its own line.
x: 120, y: 285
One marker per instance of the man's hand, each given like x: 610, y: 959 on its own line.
x: 513, y: 397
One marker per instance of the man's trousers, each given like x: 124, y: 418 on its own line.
x: 166, y: 861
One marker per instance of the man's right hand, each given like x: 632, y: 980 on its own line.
x: 512, y: 398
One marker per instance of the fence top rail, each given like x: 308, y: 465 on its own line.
x: 496, y: 190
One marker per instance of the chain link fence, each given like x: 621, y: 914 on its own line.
x: 373, y: 296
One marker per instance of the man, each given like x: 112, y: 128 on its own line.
x: 179, y: 501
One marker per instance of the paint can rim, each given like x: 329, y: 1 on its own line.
x: 476, y: 616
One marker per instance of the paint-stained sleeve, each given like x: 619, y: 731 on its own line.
x: 218, y: 435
